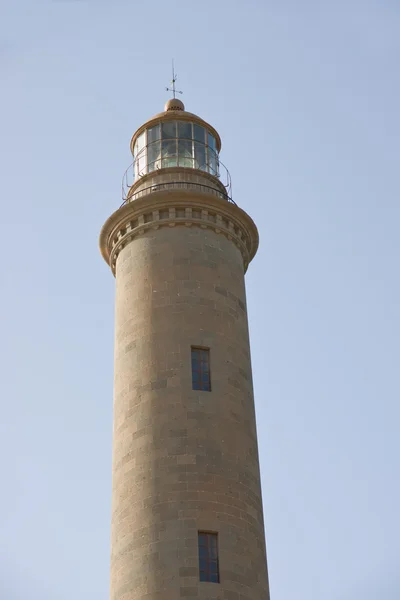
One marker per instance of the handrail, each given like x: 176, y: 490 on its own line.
x: 131, y: 176
x: 185, y: 185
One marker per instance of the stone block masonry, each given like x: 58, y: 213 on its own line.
x: 183, y: 461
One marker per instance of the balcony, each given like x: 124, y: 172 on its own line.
x: 176, y: 185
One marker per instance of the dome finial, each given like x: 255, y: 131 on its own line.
x: 174, y: 104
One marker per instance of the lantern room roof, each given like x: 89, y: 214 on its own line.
x: 175, y: 111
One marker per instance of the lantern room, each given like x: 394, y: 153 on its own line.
x: 175, y: 143
x: 172, y: 142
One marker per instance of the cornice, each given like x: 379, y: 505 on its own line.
x: 173, y: 209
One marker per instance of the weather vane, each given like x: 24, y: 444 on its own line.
x: 174, y: 78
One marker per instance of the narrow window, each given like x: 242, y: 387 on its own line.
x: 208, y: 557
x: 201, y: 369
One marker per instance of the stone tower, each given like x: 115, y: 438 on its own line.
x: 187, y: 518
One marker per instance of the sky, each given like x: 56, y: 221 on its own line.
x: 305, y: 96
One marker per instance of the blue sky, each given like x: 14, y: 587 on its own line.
x: 305, y: 96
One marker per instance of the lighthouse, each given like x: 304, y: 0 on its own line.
x: 187, y: 516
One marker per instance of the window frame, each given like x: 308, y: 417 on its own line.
x: 212, y: 547
x: 200, y: 370
x: 142, y: 166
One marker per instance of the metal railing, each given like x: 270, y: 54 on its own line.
x: 142, y: 165
x: 178, y: 185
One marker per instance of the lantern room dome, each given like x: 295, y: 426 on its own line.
x: 175, y: 109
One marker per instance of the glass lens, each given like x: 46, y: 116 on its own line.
x: 168, y: 153
x: 142, y: 162
x: 198, y: 133
x: 171, y: 161
x: 168, y: 130
x: 154, y: 156
x: 212, y: 161
x: 168, y: 148
x: 140, y: 141
x: 153, y: 134
x: 185, y: 153
x: 211, y: 141
x: 200, y: 156
x: 184, y: 130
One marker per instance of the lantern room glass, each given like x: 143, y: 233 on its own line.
x: 176, y: 144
